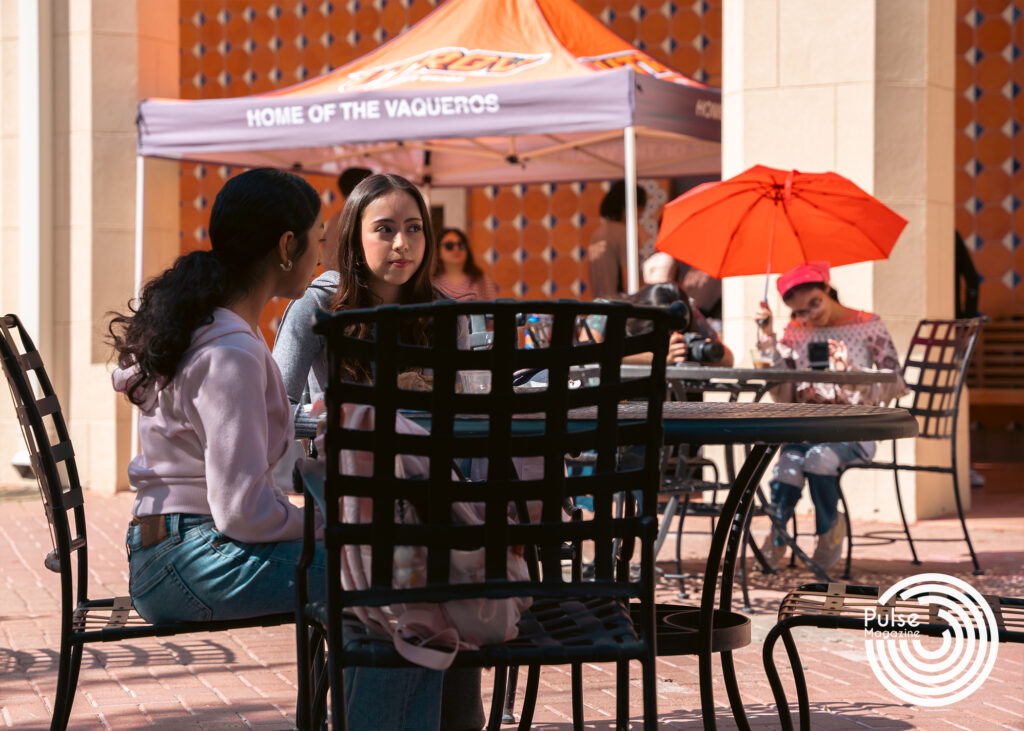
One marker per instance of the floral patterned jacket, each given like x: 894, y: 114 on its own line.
x: 870, y: 346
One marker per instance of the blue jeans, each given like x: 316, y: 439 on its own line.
x: 404, y: 699
x: 819, y: 464
x: 198, y: 574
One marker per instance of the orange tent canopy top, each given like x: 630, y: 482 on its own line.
x: 479, y: 91
x: 497, y: 41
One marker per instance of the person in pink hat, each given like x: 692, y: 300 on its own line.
x: 855, y: 340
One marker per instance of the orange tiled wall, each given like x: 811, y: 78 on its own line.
x: 529, y: 237
x: 989, y: 155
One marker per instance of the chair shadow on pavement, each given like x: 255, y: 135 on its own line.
x: 761, y: 716
x: 120, y: 655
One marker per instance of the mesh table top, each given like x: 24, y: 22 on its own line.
x: 771, y: 423
x: 731, y: 423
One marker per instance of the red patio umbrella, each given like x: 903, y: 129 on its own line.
x: 768, y: 220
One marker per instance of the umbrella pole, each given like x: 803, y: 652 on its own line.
x: 632, y: 243
x: 771, y: 251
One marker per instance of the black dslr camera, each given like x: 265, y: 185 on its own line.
x: 700, y: 349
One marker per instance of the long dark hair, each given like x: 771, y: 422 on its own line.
x: 470, y: 267
x: 661, y: 294
x: 353, y: 290
x: 250, y: 214
x: 613, y: 205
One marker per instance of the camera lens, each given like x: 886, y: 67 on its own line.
x: 703, y: 350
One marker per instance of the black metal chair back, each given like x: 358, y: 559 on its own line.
x: 503, y: 425
x: 52, y: 457
x: 935, y: 368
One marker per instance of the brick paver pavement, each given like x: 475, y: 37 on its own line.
x: 246, y: 678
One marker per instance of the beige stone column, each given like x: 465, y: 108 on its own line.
x: 865, y: 89
x: 158, y: 76
x: 103, y: 56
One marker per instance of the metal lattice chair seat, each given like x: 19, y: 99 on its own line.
x: 842, y: 601
x: 586, y: 629
x: 840, y: 606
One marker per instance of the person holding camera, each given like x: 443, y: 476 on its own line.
x: 822, y: 333
x: 699, y: 344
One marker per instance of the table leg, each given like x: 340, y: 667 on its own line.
x: 722, y: 556
x: 670, y: 510
x: 790, y: 541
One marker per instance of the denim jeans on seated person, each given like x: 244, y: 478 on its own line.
x: 819, y: 464
x: 197, y: 574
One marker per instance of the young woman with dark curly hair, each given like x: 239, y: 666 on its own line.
x: 212, y: 537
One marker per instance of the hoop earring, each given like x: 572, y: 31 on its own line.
x: 287, y: 266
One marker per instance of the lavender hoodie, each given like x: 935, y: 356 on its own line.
x: 210, y: 436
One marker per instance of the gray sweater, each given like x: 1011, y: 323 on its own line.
x: 301, y: 354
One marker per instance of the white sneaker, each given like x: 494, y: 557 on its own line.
x: 830, y: 545
x: 773, y: 554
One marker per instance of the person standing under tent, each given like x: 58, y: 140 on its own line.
x: 606, y: 254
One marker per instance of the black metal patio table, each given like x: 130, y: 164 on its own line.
x: 764, y: 426
x: 695, y: 378
x: 759, y: 380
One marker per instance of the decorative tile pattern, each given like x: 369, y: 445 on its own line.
x: 989, y: 186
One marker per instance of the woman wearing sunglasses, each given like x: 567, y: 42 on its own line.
x: 455, y: 273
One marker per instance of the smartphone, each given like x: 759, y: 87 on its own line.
x: 817, y: 354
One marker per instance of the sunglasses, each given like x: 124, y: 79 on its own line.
x: 453, y: 245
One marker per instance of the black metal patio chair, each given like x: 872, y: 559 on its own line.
x: 84, y: 619
x: 935, y: 369
x: 607, y: 618
x: 838, y: 606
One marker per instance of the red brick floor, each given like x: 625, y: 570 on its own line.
x: 246, y: 679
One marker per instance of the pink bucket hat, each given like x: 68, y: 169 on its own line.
x: 812, y: 271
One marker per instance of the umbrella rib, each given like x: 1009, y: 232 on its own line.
x: 847, y: 221
x: 796, y: 234
x: 732, y: 236
x: 732, y: 194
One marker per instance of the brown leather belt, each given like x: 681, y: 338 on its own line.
x: 153, y: 529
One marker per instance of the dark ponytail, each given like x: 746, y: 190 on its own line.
x: 250, y: 214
